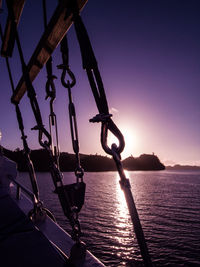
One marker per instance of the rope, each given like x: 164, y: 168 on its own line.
x: 37, y: 203
x: 55, y: 173
x: 64, y: 196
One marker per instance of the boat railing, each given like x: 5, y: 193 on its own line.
x: 24, y: 189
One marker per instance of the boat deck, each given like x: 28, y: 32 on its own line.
x: 24, y: 244
x: 21, y: 243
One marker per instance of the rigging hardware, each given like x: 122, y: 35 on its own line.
x: 46, y: 144
x: 90, y: 64
x: 51, y: 93
x: 75, y: 191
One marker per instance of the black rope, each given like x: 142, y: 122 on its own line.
x: 65, y: 51
x: 44, y: 13
x: 33, y: 100
x: 55, y: 173
x: 23, y: 136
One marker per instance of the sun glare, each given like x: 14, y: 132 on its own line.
x: 131, y: 141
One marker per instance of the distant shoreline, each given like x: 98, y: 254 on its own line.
x: 90, y: 163
x: 179, y: 167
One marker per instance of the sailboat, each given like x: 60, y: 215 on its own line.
x: 30, y: 235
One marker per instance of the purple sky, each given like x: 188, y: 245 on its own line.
x: 149, y: 57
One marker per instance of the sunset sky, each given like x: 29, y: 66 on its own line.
x: 148, y: 53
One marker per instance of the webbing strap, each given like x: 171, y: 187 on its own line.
x: 64, y: 51
x: 90, y: 64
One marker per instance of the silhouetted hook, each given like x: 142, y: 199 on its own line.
x: 110, y: 125
x: 43, y: 131
x: 50, y: 88
x: 66, y: 70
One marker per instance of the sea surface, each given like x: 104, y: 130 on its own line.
x: 168, y: 204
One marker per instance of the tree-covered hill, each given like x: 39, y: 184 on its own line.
x: 90, y: 163
x: 144, y: 162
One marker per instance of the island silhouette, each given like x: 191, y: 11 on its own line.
x: 90, y: 163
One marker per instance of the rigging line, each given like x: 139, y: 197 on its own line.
x: 51, y: 93
x: 90, y: 64
x: 79, y: 172
x: 55, y: 173
x: 89, y: 61
x: 32, y: 97
x: 44, y: 13
x: 38, y: 212
x: 76, y: 191
x: 23, y: 136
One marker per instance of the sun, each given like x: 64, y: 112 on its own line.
x: 131, y: 141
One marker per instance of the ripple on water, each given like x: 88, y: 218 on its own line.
x: 168, y: 204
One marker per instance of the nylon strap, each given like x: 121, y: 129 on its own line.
x: 90, y: 65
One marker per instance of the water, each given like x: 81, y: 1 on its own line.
x: 168, y: 204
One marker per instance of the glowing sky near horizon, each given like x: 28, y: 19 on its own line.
x: 148, y: 53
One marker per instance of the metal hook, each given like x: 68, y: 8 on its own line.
x: 110, y: 125
x: 42, y: 130
x: 46, y: 143
x: 50, y: 88
x: 66, y: 70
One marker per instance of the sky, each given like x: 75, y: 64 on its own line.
x: 148, y: 53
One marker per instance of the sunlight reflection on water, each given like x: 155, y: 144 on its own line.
x: 120, y: 201
x: 123, y: 223
x: 168, y: 204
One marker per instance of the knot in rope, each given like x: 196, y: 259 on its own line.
x: 101, y: 118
